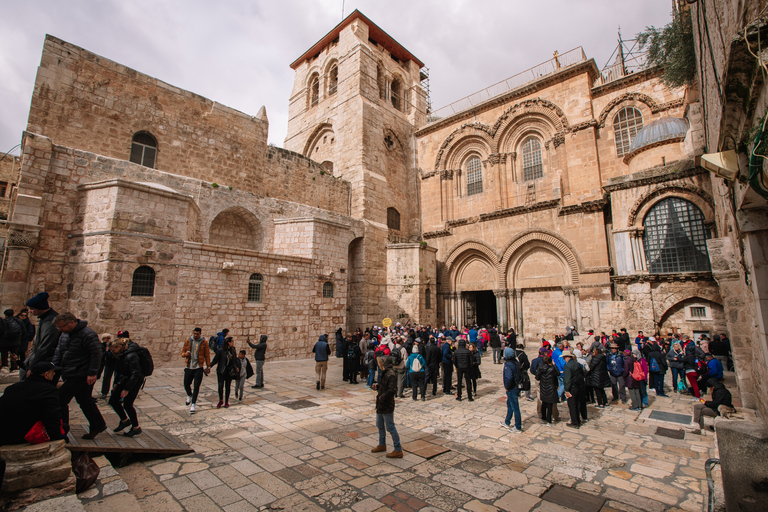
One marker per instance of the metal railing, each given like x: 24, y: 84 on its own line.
x: 626, y: 59
x: 556, y: 63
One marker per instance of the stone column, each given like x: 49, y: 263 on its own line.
x: 519, y: 304
x: 567, y: 291
x: 501, y: 308
x: 511, y: 317
x: 576, y: 308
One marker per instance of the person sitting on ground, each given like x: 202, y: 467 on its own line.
x: 720, y: 396
x: 25, y: 403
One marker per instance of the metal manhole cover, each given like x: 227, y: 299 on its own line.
x: 573, y: 499
x: 683, y: 419
x: 299, y: 404
x: 670, y: 432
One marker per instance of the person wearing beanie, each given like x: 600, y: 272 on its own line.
x: 46, y: 337
x: 511, y: 377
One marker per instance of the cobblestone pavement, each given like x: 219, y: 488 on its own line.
x: 291, y: 447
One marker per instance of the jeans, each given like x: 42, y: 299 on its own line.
x: 240, y: 386
x: 676, y: 373
x: 124, y: 408
x: 371, y: 377
x: 644, y: 393
x: 400, y: 372
x: 388, y: 421
x: 258, y: 369
x: 321, y: 368
x: 617, y: 387
x: 657, y: 381
x: 79, y: 389
x: 189, y: 376
x: 513, y: 406
x: 497, y: 355
x: 634, y: 394
x: 560, y: 386
x: 225, y: 386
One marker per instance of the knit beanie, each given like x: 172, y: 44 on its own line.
x: 509, y: 353
x: 39, y: 301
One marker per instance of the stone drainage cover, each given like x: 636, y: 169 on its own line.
x: 299, y: 404
x: 573, y: 499
x: 670, y: 432
x: 683, y: 419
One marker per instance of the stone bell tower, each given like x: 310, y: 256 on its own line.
x: 356, y: 102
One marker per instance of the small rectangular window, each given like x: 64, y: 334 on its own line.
x: 698, y: 312
x: 3, y: 188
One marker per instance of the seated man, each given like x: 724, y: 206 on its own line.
x: 720, y: 396
x: 25, y: 403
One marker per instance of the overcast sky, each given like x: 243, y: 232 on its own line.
x: 237, y: 52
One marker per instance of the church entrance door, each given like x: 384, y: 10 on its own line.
x: 481, y: 308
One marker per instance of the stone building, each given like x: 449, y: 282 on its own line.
x: 568, y: 195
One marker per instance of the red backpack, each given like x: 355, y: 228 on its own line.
x: 637, y: 372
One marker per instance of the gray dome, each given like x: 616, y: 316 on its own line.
x: 660, y: 130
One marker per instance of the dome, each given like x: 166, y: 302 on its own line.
x: 666, y: 128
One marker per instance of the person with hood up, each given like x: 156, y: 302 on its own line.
x: 462, y: 360
x: 511, y: 376
x: 259, y: 352
x: 128, y: 382
x: 385, y: 409
x: 322, y: 351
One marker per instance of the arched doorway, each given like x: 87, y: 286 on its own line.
x: 473, y: 282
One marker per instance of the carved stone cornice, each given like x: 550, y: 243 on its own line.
x: 495, y: 158
x: 675, y: 277
x: 436, y: 234
x: 587, y: 206
x: 518, y: 210
x: 673, y: 171
x: 558, y: 139
x: 584, y: 125
x: 596, y: 270
x: 425, y: 175
x: 446, y: 174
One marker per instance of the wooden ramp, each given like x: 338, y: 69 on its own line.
x: 151, y: 440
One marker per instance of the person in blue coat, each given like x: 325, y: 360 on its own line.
x: 416, y: 366
x: 511, y: 379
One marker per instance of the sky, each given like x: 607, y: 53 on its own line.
x: 238, y: 52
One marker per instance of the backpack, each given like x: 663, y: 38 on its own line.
x: 416, y: 365
x: 12, y: 328
x: 637, y: 372
x: 370, y: 356
x: 397, y: 356
x: 213, y: 343
x: 654, y: 365
x: 145, y: 362
x: 351, y: 353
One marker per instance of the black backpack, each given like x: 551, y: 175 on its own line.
x: 396, y: 355
x: 145, y: 362
x: 13, y: 328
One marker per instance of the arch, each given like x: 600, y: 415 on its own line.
x: 544, y: 254
x: 332, y: 80
x: 236, y: 227
x: 460, y: 251
x: 627, y: 97
x: 521, y: 128
x: 556, y: 241
x: 675, y: 237
x: 688, y: 192
x: 143, y: 149
x: 255, y: 287
x: 317, y: 136
x: 673, y: 300
x: 626, y: 123
x: 543, y: 108
x: 313, y: 89
x: 143, y: 282
x: 397, y: 93
x: 327, y: 290
x: 468, y: 137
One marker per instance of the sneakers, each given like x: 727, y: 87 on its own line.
x: 221, y: 402
x: 189, y: 399
x: 395, y: 454
x: 503, y: 425
x: 379, y: 448
x: 192, y: 409
x: 133, y: 432
x: 515, y: 430
x: 94, y: 432
x: 226, y: 405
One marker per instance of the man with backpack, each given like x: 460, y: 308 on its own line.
x: 399, y: 355
x: 322, y: 351
x: 416, y: 366
x: 511, y: 375
x: 132, y: 364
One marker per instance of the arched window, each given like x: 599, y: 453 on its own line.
x: 314, y: 90
x: 255, y: 284
x: 428, y: 299
x: 393, y: 219
x: 143, y: 149
x: 396, y: 94
x: 474, y: 176
x: 143, y: 282
x: 327, y: 290
x: 333, y: 80
x: 675, y: 238
x: 532, y: 166
x: 625, y: 125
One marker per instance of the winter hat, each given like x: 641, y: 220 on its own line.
x: 627, y: 352
x: 509, y: 353
x: 39, y: 301
x: 123, y: 334
x: 543, y: 351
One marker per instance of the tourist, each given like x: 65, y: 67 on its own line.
x: 575, y: 392
x: 129, y: 379
x: 447, y: 362
x: 433, y: 357
x: 369, y: 360
x: 47, y: 336
x: 259, y: 355
x: 385, y: 409
x: 417, y: 365
x: 547, y: 374
x: 322, y: 352
x: 510, y: 376
x: 675, y: 363
x: 245, y: 372
x: 197, y: 358
x: 615, y: 364
x: 79, y: 356
x: 597, y: 377
x: 494, y: 341
x: 227, y: 369
x: 35, y: 399
x: 719, y: 349
x: 462, y: 360
x: 29, y: 335
x: 557, y: 359
x: 657, y: 366
x: 354, y: 355
x: 107, y: 366
x: 711, y: 370
x: 523, y: 367
x: 635, y: 373
x: 474, y: 372
x: 10, y: 339
x: 720, y: 396
x: 399, y: 365
x: 690, y: 367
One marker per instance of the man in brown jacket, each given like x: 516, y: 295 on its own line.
x: 198, y: 359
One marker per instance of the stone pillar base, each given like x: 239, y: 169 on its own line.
x: 35, y: 472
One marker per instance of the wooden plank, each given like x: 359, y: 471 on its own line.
x: 152, y: 440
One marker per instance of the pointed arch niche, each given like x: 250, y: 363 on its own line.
x: 237, y: 227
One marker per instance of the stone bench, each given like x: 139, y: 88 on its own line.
x: 34, y: 472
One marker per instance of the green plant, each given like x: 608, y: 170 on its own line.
x: 672, y: 48
x: 230, y: 187
x: 322, y: 173
x: 421, y: 269
x: 423, y: 244
x: 215, y: 185
x: 314, y: 178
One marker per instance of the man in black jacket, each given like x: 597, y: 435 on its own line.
x: 433, y: 358
x: 128, y: 382
x: 462, y: 360
x: 575, y: 392
x: 259, y: 355
x: 720, y: 396
x: 79, y: 356
x: 25, y: 403
x: 47, y: 336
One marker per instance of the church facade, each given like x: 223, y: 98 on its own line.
x: 564, y: 196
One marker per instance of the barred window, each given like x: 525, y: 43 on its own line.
x: 532, y: 166
x: 675, y: 238
x: 626, y: 124
x: 314, y: 90
x: 143, y: 282
x: 428, y: 299
x: 474, y: 176
x: 698, y: 312
x: 333, y: 80
x: 328, y: 290
x: 143, y: 149
x: 255, y: 285
x: 393, y: 219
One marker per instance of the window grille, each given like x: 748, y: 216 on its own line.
x: 428, y: 299
x: 393, y: 219
x: 698, y: 312
x: 255, y: 284
x: 474, y: 176
x: 532, y: 166
x: 314, y: 91
x: 143, y: 149
x: 626, y: 124
x: 333, y: 81
x: 328, y: 290
x: 143, y: 282
x: 675, y: 238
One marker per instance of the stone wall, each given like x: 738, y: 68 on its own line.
x: 9, y: 175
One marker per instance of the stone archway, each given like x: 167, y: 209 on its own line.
x: 236, y: 227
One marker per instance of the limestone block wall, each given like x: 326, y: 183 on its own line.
x: 410, y: 271
x: 9, y: 175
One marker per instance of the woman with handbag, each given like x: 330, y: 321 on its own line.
x: 227, y: 369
